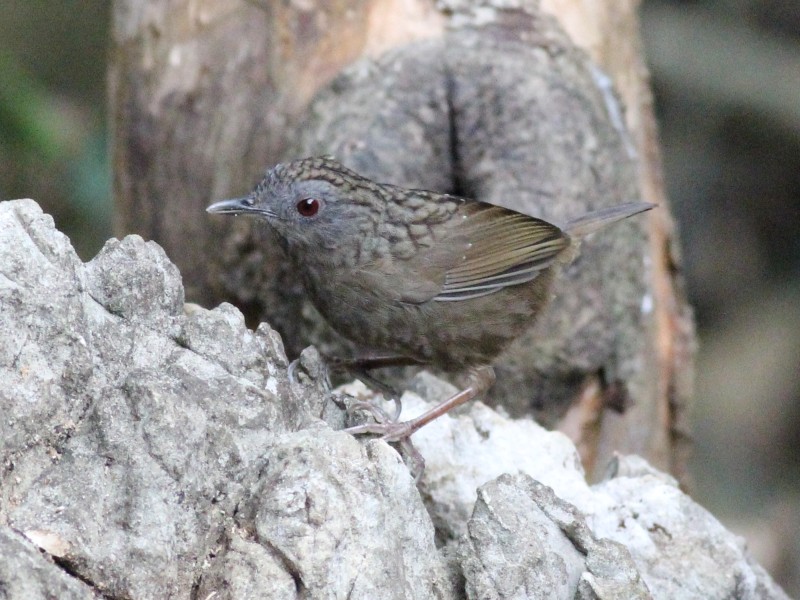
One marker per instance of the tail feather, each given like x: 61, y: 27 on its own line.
x: 591, y: 222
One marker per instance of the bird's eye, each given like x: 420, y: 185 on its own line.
x: 308, y: 207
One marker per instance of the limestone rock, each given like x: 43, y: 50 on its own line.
x: 151, y: 449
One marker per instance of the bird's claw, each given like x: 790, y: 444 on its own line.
x: 378, y: 413
x: 392, y: 432
x: 389, y: 431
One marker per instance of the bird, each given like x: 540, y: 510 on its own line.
x: 414, y: 277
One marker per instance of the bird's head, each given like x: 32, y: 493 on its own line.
x: 313, y: 203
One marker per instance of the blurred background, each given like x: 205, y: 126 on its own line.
x: 53, y: 130
x: 726, y: 76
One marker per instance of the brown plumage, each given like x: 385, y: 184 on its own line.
x: 411, y: 276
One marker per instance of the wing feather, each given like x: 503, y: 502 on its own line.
x: 503, y: 248
x: 480, y: 250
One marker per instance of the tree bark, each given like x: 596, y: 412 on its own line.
x: 508, y: 105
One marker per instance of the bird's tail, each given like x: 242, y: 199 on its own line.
x: 591, y: 222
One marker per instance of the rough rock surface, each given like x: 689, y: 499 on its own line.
x: 152, y: 449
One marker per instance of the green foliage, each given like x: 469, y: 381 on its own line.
x: 53, y: 135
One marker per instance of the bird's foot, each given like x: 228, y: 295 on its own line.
x: 377, y: 412
x: 480, y: 380
x: 392, y: 432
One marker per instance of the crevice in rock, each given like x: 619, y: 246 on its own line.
x: 288, y: 566
x: 71, y: 569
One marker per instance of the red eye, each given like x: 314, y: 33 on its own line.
x: 308, y: 207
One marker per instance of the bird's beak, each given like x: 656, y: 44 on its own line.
x: 238, y: 206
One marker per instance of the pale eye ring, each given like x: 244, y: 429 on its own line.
x: 308, y: 207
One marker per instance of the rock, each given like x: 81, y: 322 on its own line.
x: 46, y: 361
x: 27, y: 573
x: 524, y: 542
x: 154, y: 449
x: 463, y: 452
x: 346, y: 518
x: 681, y: 550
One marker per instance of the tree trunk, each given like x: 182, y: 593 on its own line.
x: 545, y: 109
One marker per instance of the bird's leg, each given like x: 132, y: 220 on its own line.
x: 480, y: 380
x: 414, y: 459
x: 359, y: 366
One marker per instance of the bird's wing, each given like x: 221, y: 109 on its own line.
x: 502, y: 248
x: 480, y: 250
